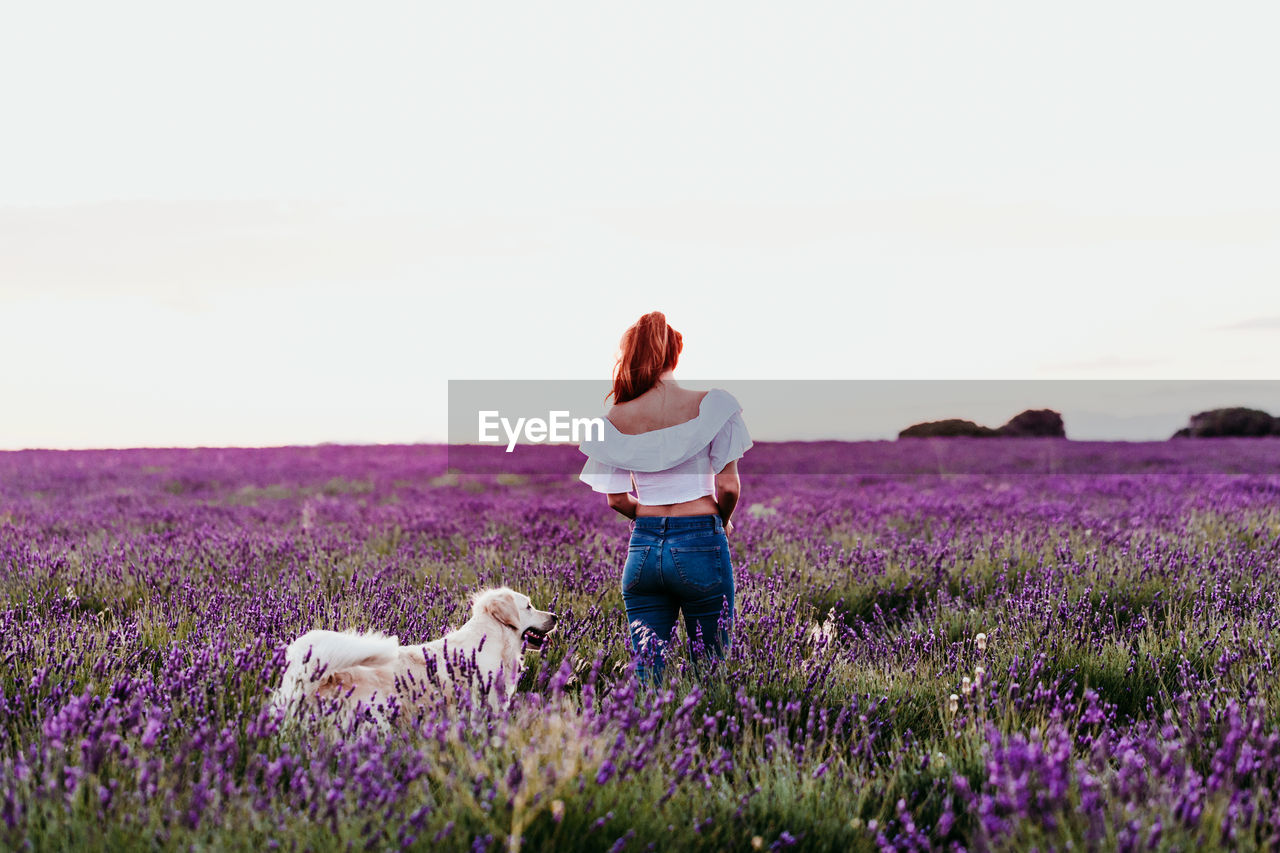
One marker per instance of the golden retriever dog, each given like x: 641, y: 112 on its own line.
x: 372, y: 671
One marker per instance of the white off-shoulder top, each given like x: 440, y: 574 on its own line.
x: 673, y: 464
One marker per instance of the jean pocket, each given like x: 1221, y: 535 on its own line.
x: 633, y: 569
x: 700, y: 566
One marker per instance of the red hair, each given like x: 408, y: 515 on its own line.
x: 649, y: 349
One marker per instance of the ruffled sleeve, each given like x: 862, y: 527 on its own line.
x: 612, y: 458
x: 730, y: 443
x: 605, y: 478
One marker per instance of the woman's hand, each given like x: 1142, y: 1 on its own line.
x: 623, y: 503
x: 728, y: 528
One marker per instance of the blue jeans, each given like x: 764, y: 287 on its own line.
x: 677, y: 563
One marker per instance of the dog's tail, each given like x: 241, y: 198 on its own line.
x: 319, y: 653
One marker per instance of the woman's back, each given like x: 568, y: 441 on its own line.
x: 660, y: 407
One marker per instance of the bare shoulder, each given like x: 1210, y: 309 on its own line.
x: 690, y: 402
x: 656, y: 410
x: 620, y: 414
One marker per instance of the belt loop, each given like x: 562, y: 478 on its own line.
x: 719, y: 523
x: 664, y: 523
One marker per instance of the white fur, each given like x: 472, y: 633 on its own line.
x: 368, y: 670
x: 336, y: 651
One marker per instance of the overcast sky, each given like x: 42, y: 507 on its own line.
x: 268, y: 223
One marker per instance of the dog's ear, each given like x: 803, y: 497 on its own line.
x: 501, y: 605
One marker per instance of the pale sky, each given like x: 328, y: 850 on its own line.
x: 268, y: 223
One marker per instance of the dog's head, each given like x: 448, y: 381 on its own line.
x: 516, y: 612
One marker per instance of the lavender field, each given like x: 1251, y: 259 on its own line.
x: 923, y: 660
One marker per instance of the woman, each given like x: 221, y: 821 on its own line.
x: 678, y: 449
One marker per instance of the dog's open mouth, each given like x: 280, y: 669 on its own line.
x: 534, y: 638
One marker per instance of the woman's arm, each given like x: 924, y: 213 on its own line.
x: 728, y: 488
x: 624, y: 503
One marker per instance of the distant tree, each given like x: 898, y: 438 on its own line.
x: 1235, y: 421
